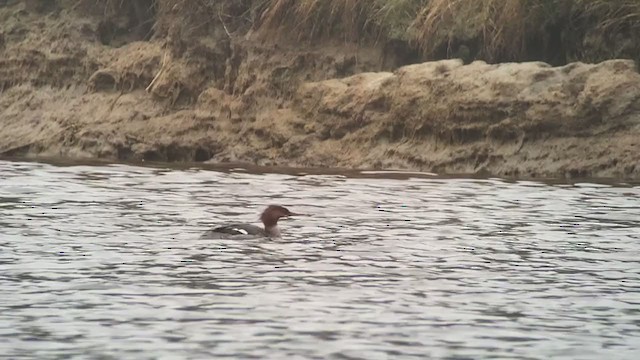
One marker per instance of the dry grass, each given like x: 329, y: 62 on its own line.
x: 349, y: 20
x: 502, y: 27
x: 501, y: 30
x: 312, y: 19
x: 497, y: 30
x: 603, y: 29
x: 610, y: 16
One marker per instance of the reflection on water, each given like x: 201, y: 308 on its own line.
x: 106, y: 261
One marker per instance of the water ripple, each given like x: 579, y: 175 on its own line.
x: 107, y: 262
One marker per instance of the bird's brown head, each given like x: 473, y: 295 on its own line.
x: 273, y: 213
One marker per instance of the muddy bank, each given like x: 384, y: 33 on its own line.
x: 79, y: 86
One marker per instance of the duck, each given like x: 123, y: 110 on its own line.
x: 270, y: 229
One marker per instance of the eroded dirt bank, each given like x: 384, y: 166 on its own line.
x: 76, y: 85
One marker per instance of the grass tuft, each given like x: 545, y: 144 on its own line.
x: 491, y: 30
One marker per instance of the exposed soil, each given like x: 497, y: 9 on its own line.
x: 77, y: 83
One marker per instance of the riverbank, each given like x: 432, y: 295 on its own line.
x: 149, y: 81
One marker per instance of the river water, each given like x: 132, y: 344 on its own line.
x: 106, y: 262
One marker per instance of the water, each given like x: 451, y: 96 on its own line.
x: 106, y: 262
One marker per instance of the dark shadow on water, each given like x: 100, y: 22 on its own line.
x: 297, y: 171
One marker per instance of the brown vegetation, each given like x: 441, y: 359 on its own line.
x: 324, y: 83
x: 554, y: 31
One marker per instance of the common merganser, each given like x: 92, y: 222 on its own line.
x: 269, y: 218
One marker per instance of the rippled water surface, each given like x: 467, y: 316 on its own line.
x: 106, y: 262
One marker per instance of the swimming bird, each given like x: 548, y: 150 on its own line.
x: 269, y: 218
